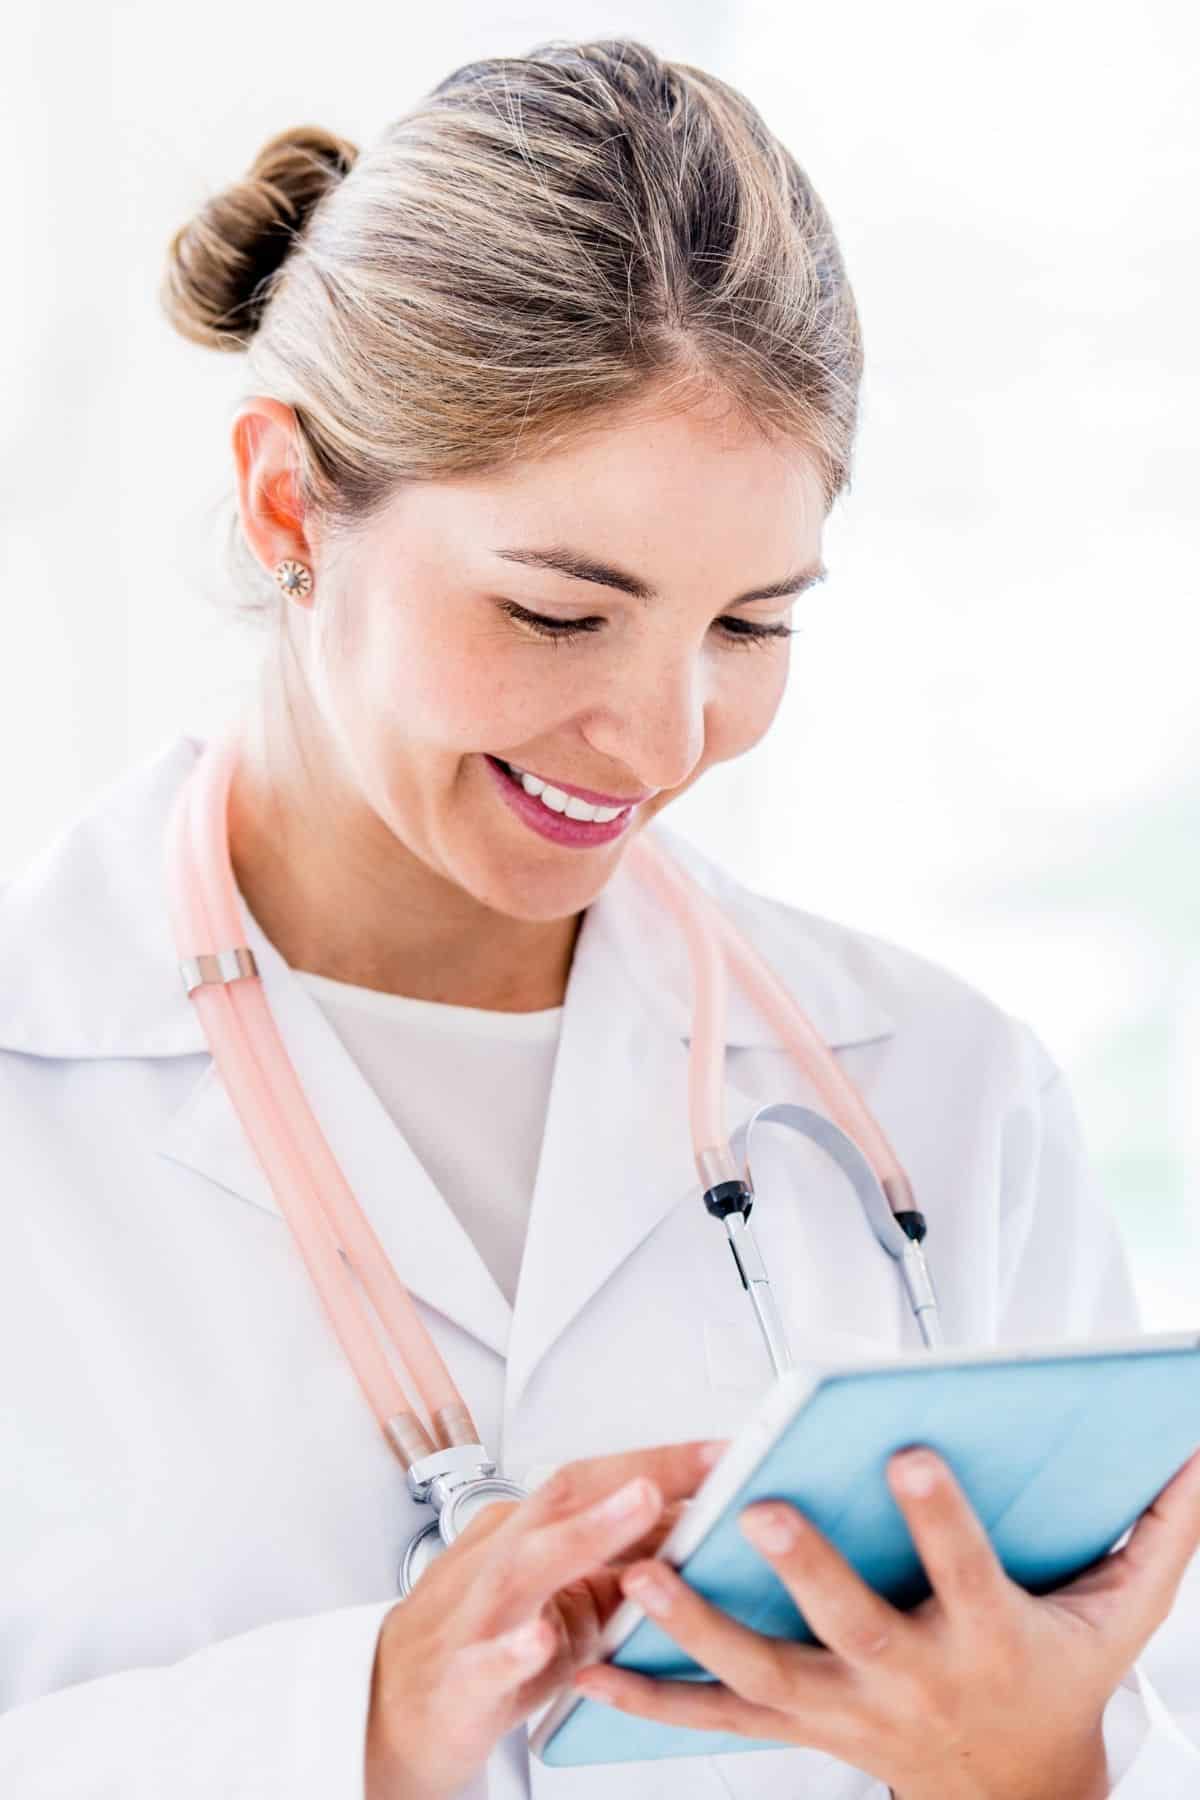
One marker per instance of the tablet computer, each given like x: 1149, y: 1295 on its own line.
x: 1058, y: 1448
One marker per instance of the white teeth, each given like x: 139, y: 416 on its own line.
x: 599, y: 815
x: 558, y: 802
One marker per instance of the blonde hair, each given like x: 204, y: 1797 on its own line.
x: 539, y: 241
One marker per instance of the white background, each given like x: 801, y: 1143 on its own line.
x: 989, y: 749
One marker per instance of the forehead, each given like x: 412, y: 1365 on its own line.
x: 678, y: 497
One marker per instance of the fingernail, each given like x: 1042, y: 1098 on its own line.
x: 649, y: 1591
x: 712, y: 1452
x: 627, y: 1500
x: 916, y: 1472
x: 770, y: 1531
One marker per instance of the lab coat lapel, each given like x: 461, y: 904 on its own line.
x: 616, y: 1155
x: 429, y: 1249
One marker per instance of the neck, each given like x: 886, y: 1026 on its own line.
x: 338, y: 895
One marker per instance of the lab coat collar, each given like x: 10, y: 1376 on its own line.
x: 88, y: 969
x: 87, y: 960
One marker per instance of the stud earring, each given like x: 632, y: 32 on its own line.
x: 295, y: 578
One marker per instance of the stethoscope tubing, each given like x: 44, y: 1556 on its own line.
x: 715, y: 944
x: 331, y: 1230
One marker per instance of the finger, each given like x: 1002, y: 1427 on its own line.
x: 538, y: 1559
x: 605, y: 1587
x: 1163, y: 1542
x: 579, y: 1609
x: 698, y: 1705
x: 963, y: 1569
x: 768, y: 1671
x: 650, y: 1540
x: 597, y: 1595
x: 848, y: 1617
x: 487, y: 1520
x: 677, y: 1470
x: 838, y: 1729
x: 563, y: 1530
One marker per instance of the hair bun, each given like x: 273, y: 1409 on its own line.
x: 217, y: 280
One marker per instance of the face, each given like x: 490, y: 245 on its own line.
x: 430, y: 659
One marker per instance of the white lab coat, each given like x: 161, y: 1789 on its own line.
x: 200, y: 1522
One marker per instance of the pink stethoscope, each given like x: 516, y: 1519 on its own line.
x: 444, y: 1460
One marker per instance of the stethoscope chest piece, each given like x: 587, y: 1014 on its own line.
x: 465, y: 1503
x: 423, y: 1547
x: 460, y: 1483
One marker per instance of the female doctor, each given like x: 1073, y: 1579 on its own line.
x: 551, y: 393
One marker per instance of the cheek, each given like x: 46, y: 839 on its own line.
x: 744, y: 702
x: 414, y: 678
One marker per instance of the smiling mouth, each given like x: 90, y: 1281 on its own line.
x: 559, y: 800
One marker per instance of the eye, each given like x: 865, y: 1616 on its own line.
x: 735, y: 631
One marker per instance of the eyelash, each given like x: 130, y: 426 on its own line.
x: 747, y: 633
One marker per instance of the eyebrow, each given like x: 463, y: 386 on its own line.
x: 562, y: 560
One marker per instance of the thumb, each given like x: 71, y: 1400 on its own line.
x: 1163, y: 1542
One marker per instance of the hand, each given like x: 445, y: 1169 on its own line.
x: 505, y: 1615
x: 982, y: 1692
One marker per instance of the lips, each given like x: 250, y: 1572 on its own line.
x: 577, y: 834
x: 591, y: 795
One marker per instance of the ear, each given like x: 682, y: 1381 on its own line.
x: 263, y: 437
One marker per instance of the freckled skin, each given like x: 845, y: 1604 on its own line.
x: 364, y: 827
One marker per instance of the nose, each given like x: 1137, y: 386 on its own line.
x: 651, y: 721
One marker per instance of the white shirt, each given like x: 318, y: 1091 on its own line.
x: 435, y: 1066
x: 200, y: 1521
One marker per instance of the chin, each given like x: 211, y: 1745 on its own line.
x: 541, y: 899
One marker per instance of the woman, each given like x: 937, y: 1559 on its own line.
x: 551, y: 393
